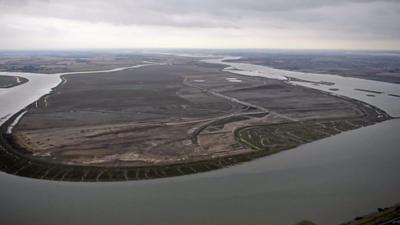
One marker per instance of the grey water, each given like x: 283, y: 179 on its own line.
x: 329, y: 181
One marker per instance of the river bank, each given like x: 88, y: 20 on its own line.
x: 330, y: 181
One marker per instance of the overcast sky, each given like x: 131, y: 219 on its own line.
x: 310, y: 24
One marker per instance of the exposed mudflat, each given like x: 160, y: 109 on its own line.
x: 165, y: 122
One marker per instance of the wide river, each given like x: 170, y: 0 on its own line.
x: 328, y: 181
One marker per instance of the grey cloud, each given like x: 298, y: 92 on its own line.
x: 339, y: 18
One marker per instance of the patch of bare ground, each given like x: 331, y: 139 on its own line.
x: 170, y: 120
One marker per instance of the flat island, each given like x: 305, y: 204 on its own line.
x: 168, y: 120
x: 11, y: 81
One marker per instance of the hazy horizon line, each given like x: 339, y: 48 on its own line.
x: 198, y: 48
